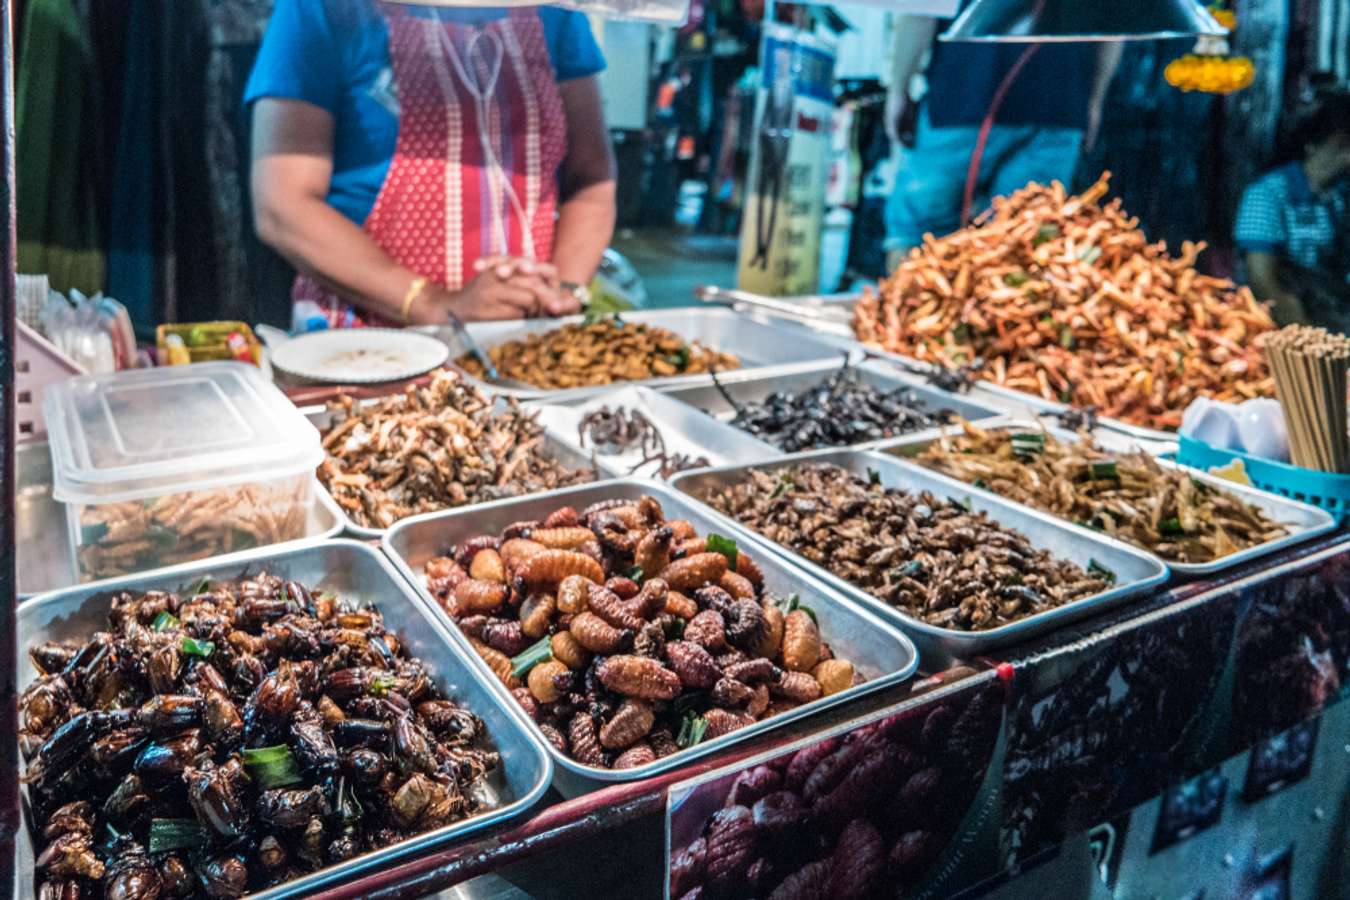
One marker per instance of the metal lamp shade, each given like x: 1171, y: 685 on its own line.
x: 1027, y: 21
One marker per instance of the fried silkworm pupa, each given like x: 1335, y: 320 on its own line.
x: 552, y: 566
x: 568, y: 651
x: 465, y: 552
x: 487, y: 565
x: 497, y: 661
x: 597, y: 635
x: 474, y: 596
x: 639, y: 754
x: 694, y: 572
x: 607, y: 605
x: 637, y: 676
x: 630, y: 723
x: 574, y: 594
x: 562, y: 538
x: 801, y: 641
x: 516, y: 551
x: 581, y: 737
x: 563, y: 517
x: 834, y: 675
x: 798, y: 687
x: 724, y: 721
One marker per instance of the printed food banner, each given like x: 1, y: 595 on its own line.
x: 789, y: 165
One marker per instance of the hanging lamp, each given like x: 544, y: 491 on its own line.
x: 1028, y: 21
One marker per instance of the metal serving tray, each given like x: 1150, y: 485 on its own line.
x: 1302, y: 520
x: 760, y: 343
x: 351, y: 569
x: 754, y: 387
x: 684, y: 429
x: 45, y: 560
x: 1136, y: 571
x: 555, y: 444
x: 879, y: 651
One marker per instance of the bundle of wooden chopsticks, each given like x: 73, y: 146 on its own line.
x: 1310, y: 380
x: 1064, y: 297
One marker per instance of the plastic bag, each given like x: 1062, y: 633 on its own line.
x: 93, y: 331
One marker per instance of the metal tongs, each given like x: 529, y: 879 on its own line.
x: 463, y: 333
x: 797, y: 308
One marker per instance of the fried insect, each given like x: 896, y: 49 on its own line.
x: 288, y: 731
x: 552, y: 566
x: 694, y: 571
x: 636, y: 676
x: 801, y: 641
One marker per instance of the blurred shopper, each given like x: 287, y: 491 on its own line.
x: 1293, y: 224
x: 1050, y: 115
x: 416, y: 163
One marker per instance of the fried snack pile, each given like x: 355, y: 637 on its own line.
x: 120, y: 538
x: 628, y: 637
x: 233, y: 737
x: 1064, y: 298
x: 602, y: 352
x: 1127, y: 496
x: 932, y: 559
x: 434, y: 448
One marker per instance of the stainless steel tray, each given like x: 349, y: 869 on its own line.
x: 555, y: 444
x: 754, y: 387
x: 879, y: 651
x: 1136, y: 571
x: 1302, y: 520
x: 760, y: 343
x: 684, y: 429
x: 349, y: 568
x: 44, y: 558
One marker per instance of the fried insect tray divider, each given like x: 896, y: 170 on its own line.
x: 881, y: 652
x: 555, y: 444
x: 1302, y: 520
x: 685, y: 430
x: 759, y: 343
x: 755, y: 387
x: 1136, y: 571
x: 351, y: 569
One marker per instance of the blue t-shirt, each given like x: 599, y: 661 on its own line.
x: 335, y: 54
x: 1280, y: 214
x: 1052, y: 90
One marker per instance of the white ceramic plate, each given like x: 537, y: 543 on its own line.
x: 360, y: 355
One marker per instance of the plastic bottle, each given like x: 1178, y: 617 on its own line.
x: 307, y: 316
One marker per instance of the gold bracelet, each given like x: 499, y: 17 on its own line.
x: 414, y: 291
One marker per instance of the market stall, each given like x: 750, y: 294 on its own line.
x: 1029, y: 561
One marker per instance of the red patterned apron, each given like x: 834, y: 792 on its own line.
x: 480, y: 138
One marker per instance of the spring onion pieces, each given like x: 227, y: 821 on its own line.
x: 176, y: 834
x: 271, y: 767
x: 164, y: 621
x: 194, y: 647
x: 540, y: 651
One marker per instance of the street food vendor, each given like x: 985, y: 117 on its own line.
x: 416, y: 163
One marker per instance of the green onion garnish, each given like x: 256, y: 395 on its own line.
x: 1170, y: 526
x: 1101, y: 571
x: 1045, y: 233
x: 1105, y: 469
x: 1028, y: 443
x: 194, y: 647
x: 635, y: 574
x: 200, y: 586
x: 380, y: 685
x: 271, y: 767
x: 540, y: 651
x: 164, y: 621
x: 725, y: 546
x: 981, y: 484
x: 795, y: 602
x: 873, y: 476
x: 691, y: 731
x: 687, y: 701
x: 1066, y: 338
x: 784, y: 484
x: 176, y: 834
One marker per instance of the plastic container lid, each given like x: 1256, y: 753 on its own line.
x: 153, y: 432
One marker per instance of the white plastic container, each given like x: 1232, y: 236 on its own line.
x: 163, y: 466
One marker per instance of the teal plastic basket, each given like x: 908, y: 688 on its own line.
x: 1327, y: 490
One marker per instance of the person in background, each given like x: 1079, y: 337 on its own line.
x: 1293, y: 225
x: 416, y: 164
x: 1049, y: 116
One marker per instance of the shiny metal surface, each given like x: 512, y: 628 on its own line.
x: 760, y: 343
x: 684, y: 429
x: 752, y: 387
x: 877, y: 649
x: 44, y: 556
x: 555, y: 444
x: 1136, y: 571
x: 348, y: 568
x: 1303, y: 521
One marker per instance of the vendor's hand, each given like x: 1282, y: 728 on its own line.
x: 541, y: 278
x: 485, y: 298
